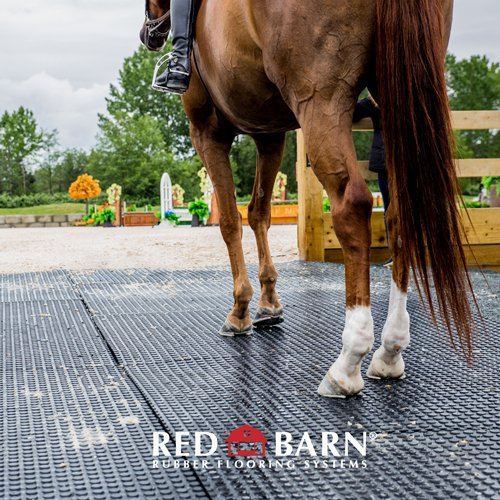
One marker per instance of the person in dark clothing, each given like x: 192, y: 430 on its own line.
x: 368, y: 108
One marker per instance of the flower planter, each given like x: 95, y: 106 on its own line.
x: 139, y: 219
x: 195, y: 221
x: 280, y: 214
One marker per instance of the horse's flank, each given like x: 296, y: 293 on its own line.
x: 258, y: 79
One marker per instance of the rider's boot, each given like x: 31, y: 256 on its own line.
x: 176, y: 77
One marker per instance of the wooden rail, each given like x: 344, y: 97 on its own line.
x: 461, y: 120
x: 317, y: 240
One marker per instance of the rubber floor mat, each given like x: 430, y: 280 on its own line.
x: 431, y: 435
x: 72, y: 424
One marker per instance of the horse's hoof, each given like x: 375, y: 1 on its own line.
x: 386, y: 365
x: 336, y: 385
x: 267, y: 316
x: 230, y: 330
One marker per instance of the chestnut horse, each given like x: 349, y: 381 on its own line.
x: 263, y: 67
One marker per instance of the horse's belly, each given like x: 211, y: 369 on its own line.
x: 242, y: 92
x: 234, y: 74
x: 252, y: 113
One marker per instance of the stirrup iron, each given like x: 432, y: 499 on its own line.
x: 166, y: 58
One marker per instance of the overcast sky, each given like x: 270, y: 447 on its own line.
x: 58, y: 57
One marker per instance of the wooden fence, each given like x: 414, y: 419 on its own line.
x: 316, y: 237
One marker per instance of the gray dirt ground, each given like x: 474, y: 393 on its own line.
x: 93, y: 248
x: 87, y: 248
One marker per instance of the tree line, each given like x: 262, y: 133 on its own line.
x: 144, y: 133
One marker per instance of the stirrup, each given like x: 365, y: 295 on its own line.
x: 161, y: 61
x: 166, y: 58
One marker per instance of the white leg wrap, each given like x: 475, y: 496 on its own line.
x: 387, y: 361
x: 357, y: 338
x: 344, y: 376
x: 396, y: 332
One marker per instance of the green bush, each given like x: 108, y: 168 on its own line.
x: 34, y: 200
x: 469, y: 186
x: 141, y: 203
x: 244, y: 199
x: 475, y: 204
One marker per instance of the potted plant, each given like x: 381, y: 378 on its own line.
x: 199, y: 210
x: 87, y: 220
x: 104, y: 218
x: 172, y: 217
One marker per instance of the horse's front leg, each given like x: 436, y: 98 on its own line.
x: 387, y: 361
x: 213, y: 148
x: 333, y: 159
x: 269, y: 156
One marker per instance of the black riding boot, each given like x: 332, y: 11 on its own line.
x: 176, y: 77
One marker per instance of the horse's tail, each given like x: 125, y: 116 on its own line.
x: 410, y: 52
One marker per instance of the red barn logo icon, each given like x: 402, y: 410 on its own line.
x: 246, y: 441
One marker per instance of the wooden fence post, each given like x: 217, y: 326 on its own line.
x: 118, y: 212
x: 310, y: 219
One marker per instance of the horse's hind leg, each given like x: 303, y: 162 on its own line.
x: 213, y: 147
x: 333, y: 158
x: 387, y: 361
x: 269, y: 156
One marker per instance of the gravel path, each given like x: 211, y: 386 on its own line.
x: 87, y: 248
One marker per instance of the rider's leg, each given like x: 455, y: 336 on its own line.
x: 176, y: 77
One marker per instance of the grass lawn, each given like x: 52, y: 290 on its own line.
x: 56, y: 209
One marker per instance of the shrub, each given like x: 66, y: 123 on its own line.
x: 475, y: 204
x: 141, y: 202
x: 33, y: 200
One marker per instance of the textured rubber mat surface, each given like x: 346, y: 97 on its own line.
x: 93, y: 363
x: 437, y: 430
x: 72, y: 424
